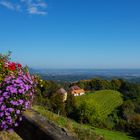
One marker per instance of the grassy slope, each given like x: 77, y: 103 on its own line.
x: 113, y: 135
x: 9, y: 136
x: 104, y: 102
x: 84, y: 132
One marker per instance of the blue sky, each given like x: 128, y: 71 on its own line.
x: 71, y: 33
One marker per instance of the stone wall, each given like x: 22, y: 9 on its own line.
x: 36, y: 127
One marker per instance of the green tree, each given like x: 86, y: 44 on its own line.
x: 57, y: 104
x: 70, y: 105
x: 116, y: 84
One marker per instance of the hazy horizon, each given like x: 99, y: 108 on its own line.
x: 38, y: 68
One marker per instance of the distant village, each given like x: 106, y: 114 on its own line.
x: 74, y: 90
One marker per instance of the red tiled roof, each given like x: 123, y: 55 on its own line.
x: 77, y: 91
x: 75, y: 88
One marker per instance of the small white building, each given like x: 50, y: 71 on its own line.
x: 64, y: 93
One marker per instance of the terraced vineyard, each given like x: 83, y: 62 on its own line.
x: 102, y: 102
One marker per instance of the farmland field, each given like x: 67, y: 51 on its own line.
x: 101, y: 103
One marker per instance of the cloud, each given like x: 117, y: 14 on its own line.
x: 7, y: 4
x: 34, y: 10
x: 37, y: 7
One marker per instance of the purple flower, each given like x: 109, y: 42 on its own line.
x: 21, y: 90
x: 20, y: 101
x: 26, y: 105
x: 13, y: 90
x: 31, y: 94
x: 1, y: 114
x: 16, y: 124
x: 7, y: 97
x: 3, y: 123
x: 14, y: 103
x: 18, y: 81
x: 10, y: 110
x: 17, y: 111
x: 26, y: 87
x: 7, y: 113
x: 1, y: 98
x: 5, y: 94
x: 3, y: 107
x: 9, y: 117
x: 8, y: 88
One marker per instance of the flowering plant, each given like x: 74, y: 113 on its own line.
x: 16, y: 93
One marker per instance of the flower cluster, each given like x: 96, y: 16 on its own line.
x: 16, y: 93
x: 12, y: 66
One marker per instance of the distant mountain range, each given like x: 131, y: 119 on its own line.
x: 71, y: 75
